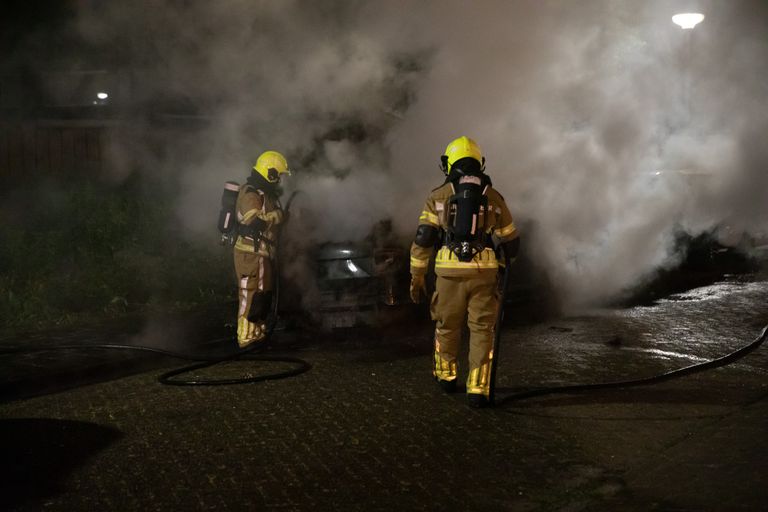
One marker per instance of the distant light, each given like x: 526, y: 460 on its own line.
x: 102, y: 95
x: 658, y: 173
x: 687, y: 20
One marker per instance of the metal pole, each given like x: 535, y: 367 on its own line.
x: 497, y: 332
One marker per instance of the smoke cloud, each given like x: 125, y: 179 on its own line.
x: 607, y: 128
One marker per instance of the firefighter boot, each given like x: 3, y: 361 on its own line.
x: 477, y: 401
x: 478, y: 385
x: 249, y: 332
x: 445, y: 373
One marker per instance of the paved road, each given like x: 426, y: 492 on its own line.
x: 366, y: 428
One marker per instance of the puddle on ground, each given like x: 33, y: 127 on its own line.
x: 668, y: 355
x: 714, y: 291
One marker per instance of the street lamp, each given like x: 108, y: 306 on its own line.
x: 687, y: 20
x: 102, y: 98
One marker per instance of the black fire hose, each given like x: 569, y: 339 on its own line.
x: 301, y: 366
x: 655, y: 379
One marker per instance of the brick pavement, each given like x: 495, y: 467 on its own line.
x: 366, y: 429
x: 39, y: 372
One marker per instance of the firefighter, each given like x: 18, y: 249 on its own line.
x: 466, y: 221
x: 258, y: 214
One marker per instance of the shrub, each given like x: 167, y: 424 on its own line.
x: 85, y: 249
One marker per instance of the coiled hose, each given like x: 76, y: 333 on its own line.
x: 301, y: 366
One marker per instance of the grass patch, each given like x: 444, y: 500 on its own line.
x: 76, y: 251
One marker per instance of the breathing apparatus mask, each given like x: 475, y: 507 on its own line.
x: 461, y: 167
x: 257, y: 181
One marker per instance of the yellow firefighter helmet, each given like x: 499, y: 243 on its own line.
x: 463, y: 147
x: 271, y: 165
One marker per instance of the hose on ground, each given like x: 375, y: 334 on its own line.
x: 655, y: 379
x: 299, y: 365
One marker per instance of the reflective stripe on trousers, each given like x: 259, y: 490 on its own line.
x: 455, y: 299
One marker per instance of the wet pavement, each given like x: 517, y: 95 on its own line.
x: 76, y: 356
x: 367, y: 429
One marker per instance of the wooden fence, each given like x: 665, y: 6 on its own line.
x: 60, y: 148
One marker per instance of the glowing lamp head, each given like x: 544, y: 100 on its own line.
x: 102, y: 95
x: 687, y: 20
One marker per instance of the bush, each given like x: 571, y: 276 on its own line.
x: 80, y: 249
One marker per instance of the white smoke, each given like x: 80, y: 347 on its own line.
x: 606, y: 127
x: 578, y: 106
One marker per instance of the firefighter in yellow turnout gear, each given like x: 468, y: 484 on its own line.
x: 464, y: 219
x: 258, y: 213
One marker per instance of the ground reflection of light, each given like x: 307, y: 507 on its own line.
x: 715, y: 291
x: 352, y: 267
x: 668, y: 355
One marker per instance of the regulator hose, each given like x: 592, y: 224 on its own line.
x: 655, y: 379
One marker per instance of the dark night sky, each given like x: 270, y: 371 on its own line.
x: 41, y: 35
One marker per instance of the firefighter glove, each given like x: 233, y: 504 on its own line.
x: 273, y: 217
x: 418, y: 288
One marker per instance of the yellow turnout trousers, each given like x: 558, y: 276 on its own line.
x: 455, y: 298
x: 254, y: 274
